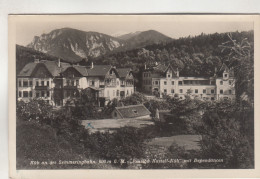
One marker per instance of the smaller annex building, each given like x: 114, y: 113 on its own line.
x: 132, y: 111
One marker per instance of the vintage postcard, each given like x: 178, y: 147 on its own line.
x: 155, y: 96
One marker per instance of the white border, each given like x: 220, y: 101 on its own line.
x: 97, y: 6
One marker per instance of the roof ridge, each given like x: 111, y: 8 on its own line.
x: 129, y: 106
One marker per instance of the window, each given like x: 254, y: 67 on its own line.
x: 230, y: 82
x: 180, y: 97
x: 42, y: 94
x: 20, y: 83
x: 172, y: 82
x: 77, y: 82
x: 37, y: 83
x: 42, y: 83
x: 204, y: 91
x: 111, y: 72
x: 212, y: 98
x: 225, y: 75
x: 92, y: 83
x: 172, y: 90
x: 169, y: 76
x: 68, y: 82
x: 196, y: 90
x: 221, y: 91
x: 114, y: 93
x: 25, y: 94
x: 25, y: 83
x: 156, y: 83
x: 212, y: 91
x: 180, y: 82
x: 181, y: 91
x: 20, y: 94
x: 37, y: 94
x: 30, y: 83
x: 221, y: 82
x: 165, y: 90
x: 108, y: 93
x: 230, y: 91
x: 48, y: 83
x: 117, y: 93
x: 48, y: 94
x: 30, y: 94
x: 134, y: 111
x: 165, y: 83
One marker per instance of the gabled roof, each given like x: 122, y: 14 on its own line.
x: 123, y: 72
x: 82, y: 70
x: 133, y: 111
x: 99, y: 70
x: 224, y: 68
x: 27, y: 69
x: 160, y: 67
x: 51, y: 66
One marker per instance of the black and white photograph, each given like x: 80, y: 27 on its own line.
x: 139, y: 92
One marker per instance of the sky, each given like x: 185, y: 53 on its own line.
x: 172, y: 26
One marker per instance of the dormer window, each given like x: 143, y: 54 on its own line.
x: 135, y: 111
x: 225, y: 75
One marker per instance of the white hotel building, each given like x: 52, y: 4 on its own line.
x: 165, y: 80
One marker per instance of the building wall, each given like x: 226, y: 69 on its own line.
x: 29, y: 88
x: 203, y: 88
x: 225, y: 88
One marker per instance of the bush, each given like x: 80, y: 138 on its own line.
x: 134, y: 99
x: 223, y: 136
x: 36, y: 110
x: 125, y: 143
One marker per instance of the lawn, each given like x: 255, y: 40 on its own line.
x: 110, y: 124
x: 189, y: 142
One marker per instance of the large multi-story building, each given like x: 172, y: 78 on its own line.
x: 57, y: 82
x: 163, y: 80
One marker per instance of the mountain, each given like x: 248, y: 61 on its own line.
x: 129, y: 35
x: 74, y: 45
x: 141, y: 39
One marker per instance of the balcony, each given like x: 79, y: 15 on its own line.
x: 42, y: 87
x: 101, y: 86
x: 71, y: 87
x: 122, y: 86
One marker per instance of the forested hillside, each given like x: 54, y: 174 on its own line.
x: 194, y: 56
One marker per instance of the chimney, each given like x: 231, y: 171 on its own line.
x: 177, y: 73
x: 58, y: 62
x: 36, y: 61
x: 145, y: 66
x: 92, y: 65
x: 215, y: 73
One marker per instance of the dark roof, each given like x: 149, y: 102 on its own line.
x: 160, y: 68
x: 27, y: 69
x: 99, y: 70
x: 133, y: 111
x: 123, y: 72
x: 51, y: 66
x: 82, y: 70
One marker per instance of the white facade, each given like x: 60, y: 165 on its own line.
x: 170, y: 83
